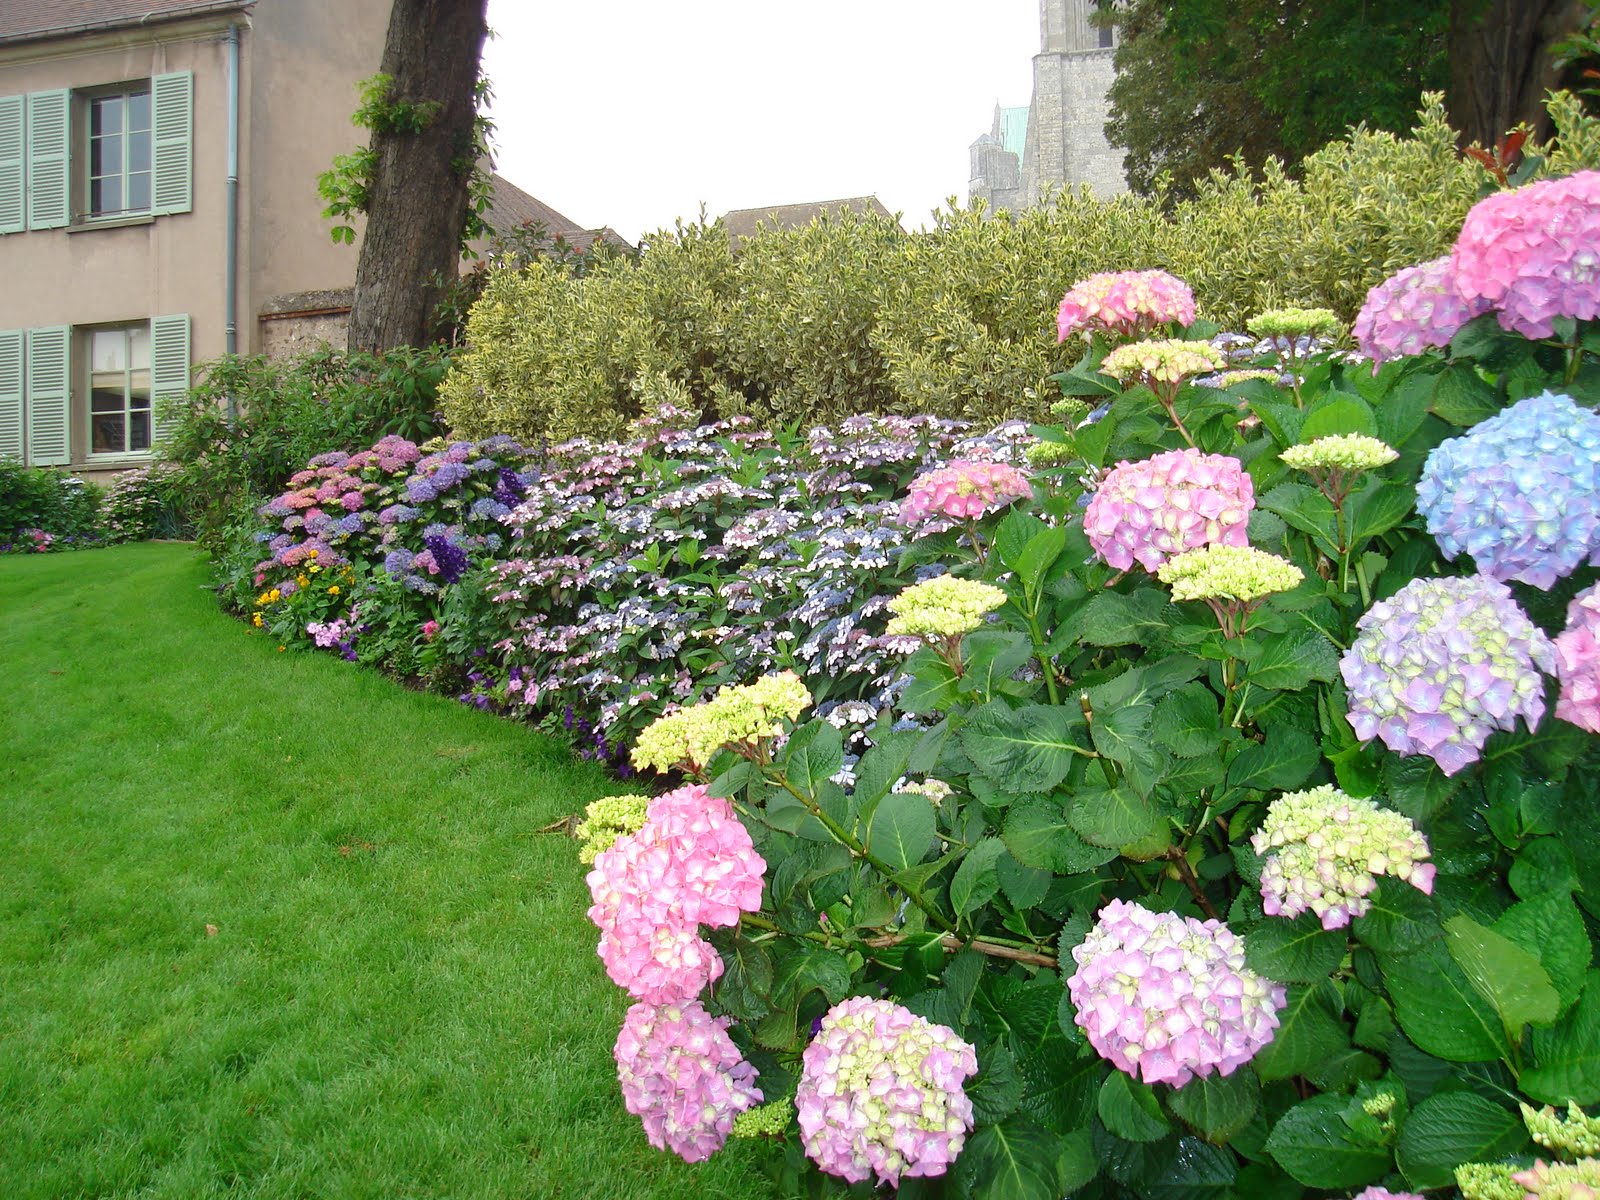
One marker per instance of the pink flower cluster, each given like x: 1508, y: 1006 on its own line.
x: 1380, y: 1193
x: 962, y: 491
x: 1578, y: 662
x: 1413, y: 310
x: 691, y: 864
x: 1533, y: 254
x: 1148, y: 511
x: 1530, y: 256
x: 327, y: 633
x: 881, y: 1093
x: 683, y: 1077
x: 1124, y: 304
x: 1168, y: 998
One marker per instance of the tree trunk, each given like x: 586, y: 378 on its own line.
x: 1500, y: 66
x: 418, y: 198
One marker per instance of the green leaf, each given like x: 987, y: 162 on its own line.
x: 1027, y: 749
x: 1312, y: 1143
x: 881, y: 767
x: 1280, y: 763
x: 976, y: 879
x: 1307, y: 509
x: 813, y: 755
x: 1552, y: 927
x: 1010, y: 1161
x: 998, y: 1088
x: 1504, y: 973
x: 1112, y: 816
x: 1543, y: 865
x: 1439, y: 1008
x: 1462, y: 396
x: 1187, y: 721
x: 1400, y: 918
x: 933, y: 684
x: 1130, y: 1109
x: 991, y: 658
x: 1023, y: 885
x: 1038, y: 834
x: 1568, y: 1055
x: 1078, y: 1164
x: 1297, y: 951
x: 1287, y: 664
x: 1337, y: 413
x: 1310, y: 1031
x: 1059, y: 1092
x: 1457, y: 1127
x: 1115, y: 619
x: 809, y: 967
x: 1218, y: 1106
x: 1122, y: 734
x: 902, y: 829
x: 1378, y: 508
x: 1039, y: 555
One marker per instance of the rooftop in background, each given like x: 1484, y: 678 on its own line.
x: 510, y: 206
x: 741, y: 222
x: 1014, y: 129
x: 30, y: 20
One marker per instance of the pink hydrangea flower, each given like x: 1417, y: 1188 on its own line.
x: 1533, y: 254
x: 1578, y: 662
x: 964, y: 490
x: 683, y: 1077
x: 881, y: 1093
x: 1124, y: 304
x: 1378, y: 1193
x: 1413, y: 310
x: 1148, y: 511
x: 1168, y: 998
x: 691, y: 864
x: 430, y: 630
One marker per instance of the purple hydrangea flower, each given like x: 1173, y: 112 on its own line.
x: 1167, y: 998
x: 1519, y: 492
x: 450, y: 558
x: 1441, y: 665
x: 449, y: 475
x: 397, y: 562
x: 420, y: 490
x: 1413, y: 310
x: 488, y: 509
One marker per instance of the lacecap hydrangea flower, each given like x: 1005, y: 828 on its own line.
x: 1147, y: 511
x: 1442, y: 664
x: 881, y: 1093
x: 692, y: 863
x: 1324, y: 851
x: 1533, y: 254
x: 683, y: 1077
x: 963, y: 490
x: 1166, y: 998
x: 1125, y: 304
x: 1240, y: 573
x: 1415, y: 309
x: 943, y: 607
x: 1578, y: 662
x: 736, y: 716
x: 1519, y: 492
x: 1167, y: 361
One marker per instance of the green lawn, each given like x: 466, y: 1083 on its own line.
x: 400, y: 997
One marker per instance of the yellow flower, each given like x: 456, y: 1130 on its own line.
x: 301, y: 580
x: 281, y: 649
x: 256, y: 620
x: 311, y: 553
x: 334, y: 590
x: 315, y: 568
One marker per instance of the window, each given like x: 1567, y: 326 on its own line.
x: 119, y: 390
x: 119, y: 153
x: 1107, y: 37
x: 98, y: 154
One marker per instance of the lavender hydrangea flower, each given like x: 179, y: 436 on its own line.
x: 1167, y: 998
x: 1415, y: 309
x: 880, y: 1093
x: 1442, y: 664
x: 420, y: 490
x: 1519, y: 492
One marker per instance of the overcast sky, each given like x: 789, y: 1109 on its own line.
x: 639, y: 111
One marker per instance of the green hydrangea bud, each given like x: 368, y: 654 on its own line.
x: 1575, y: 1136
x: 1051, y: 454
x: 943, y: 607
x: 607, y: 819
x: 1340, y: 452
x: 1488, y: 1181
x: 765, y: 1120
x: 1228, y: 573
x: 1295, y: 323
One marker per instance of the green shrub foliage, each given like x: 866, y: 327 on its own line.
x: 46, y: 510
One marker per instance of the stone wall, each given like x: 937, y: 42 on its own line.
x: 292, y: 324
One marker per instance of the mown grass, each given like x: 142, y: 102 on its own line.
x: 400, y: 997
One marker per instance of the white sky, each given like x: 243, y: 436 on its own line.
x: 631, y: 113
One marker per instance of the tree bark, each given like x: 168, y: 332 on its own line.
x: 417, y: 201
x: 1500, y: 67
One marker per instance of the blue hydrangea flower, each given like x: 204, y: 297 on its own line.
x: 1520, y: 492
x: 488, y: 509
x: 1441, y: 665
x: 397, y: 562
x: 419, y: 490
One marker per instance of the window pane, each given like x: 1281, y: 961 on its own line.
x: 139, y: 191
x: 139, y: 151
x: 105, y: 115
x: 106, y: 396
x: 106, y: 434
x: 139, y: 341
x: 140, y: 439
x: 105, y: 195
x: 108, y: 349
x: 139, y: 111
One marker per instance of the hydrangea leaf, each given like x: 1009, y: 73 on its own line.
x: 1312, y: 1143
x: 1551, y: 926
x: 1029, y: 749
x: 1113, y: 816
x: 1505, y: 974
x: 1297, y: 951
x: 902, y: 829
x: 1289, y: 663
x: 1309, y: 1031
x: 1567, y: 1056
x: 1284, y: 761
x: 1038, y: 834
x: 1462, y: 396
x: 1115, y: 619
x: 1447, y: 1130
x: 1186, y: 721
x: 1218, y: 1106
x: 1130, y: 1110
x: 1337, y: 413
x: 1377, y: 508
x: 1010, y: 1161
x: 976, y: 880
x: 1439, y: 1008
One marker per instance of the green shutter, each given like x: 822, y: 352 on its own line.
x: 49, y: 395
x: 169, y: 368
x: 173, y: 102
x: 49, y: 162
x: 13, y: 124
x: 11, y: 394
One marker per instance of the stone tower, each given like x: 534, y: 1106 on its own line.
x: 1064, y: 143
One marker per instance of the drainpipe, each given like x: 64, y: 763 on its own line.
x: 231, y: 315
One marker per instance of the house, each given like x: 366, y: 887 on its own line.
x: 159, y: 205
x: 742, y: 223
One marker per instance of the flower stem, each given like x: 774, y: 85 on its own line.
x: 1180, y: 860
